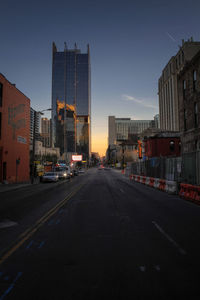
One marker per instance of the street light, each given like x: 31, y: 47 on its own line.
x: 34, y: 133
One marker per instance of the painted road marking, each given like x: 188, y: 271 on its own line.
x: 51, y: 222
x: 175, y: 244
x: 11, y: 286
x: 30, y: 231
x: 122, y: 191
x: 7, y: 223
x: 142, y: 268
x: 30, y: 244
x: 41, y: 244
x: 157, y: 268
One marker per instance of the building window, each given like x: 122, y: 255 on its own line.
x: 1, y: 93
x: 194, y: 80
x: 172, y: 146
x: 184, y: 88
x: 185, y: 120
x: 195, y: 115
x: 179, y: 146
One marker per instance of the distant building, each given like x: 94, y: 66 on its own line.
x: 167, y: 85
x: 123, y: 135
x: 14, y: 133
x: 35, y: 124
x: 45, y: 132
x: 121, y: 129
x: 42, y: 151
x: 71, y: 108
x: 189, y: 114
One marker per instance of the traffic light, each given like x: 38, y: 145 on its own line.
x: 140, y: 149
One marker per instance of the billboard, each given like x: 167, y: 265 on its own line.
x: 77, y: 157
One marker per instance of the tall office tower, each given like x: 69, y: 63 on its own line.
x: 167, y: 85
x: 71, y: 103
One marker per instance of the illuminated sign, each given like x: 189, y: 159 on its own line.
x: 77, y: 157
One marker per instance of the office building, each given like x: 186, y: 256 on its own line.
x: 14, y: 133
x: 124, y: 129
x: 71, y: 110
x: 189, y: 114
x: 167, y: 85
x: 35, y: 126
x: 45, y: 132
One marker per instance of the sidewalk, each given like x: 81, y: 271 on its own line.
x: 15, y: 186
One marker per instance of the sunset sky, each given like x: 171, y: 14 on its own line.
x: 130, y: 43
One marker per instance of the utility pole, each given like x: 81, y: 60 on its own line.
x: 65, y: 106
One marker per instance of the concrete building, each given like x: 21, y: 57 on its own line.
x: 120, y: 129
x: 14, y: 133
x: 42, y: 151
x: 71, y: 103
x: 167, y: 85
x: 45, y: 132
x: 123, y: 135
x: 35, y: 125
x: 189, y: 115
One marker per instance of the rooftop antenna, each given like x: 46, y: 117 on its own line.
x: 65, y: 46
x: 75, y: 46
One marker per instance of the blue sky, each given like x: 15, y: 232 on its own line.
x: 130, y: 42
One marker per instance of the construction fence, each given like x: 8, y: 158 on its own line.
x: 181, y: 169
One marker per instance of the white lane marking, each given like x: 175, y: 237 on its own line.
x: 142, y: 268
x: 181, y: 250
x: 122, y: 191
x: 7, y: 223
x: 157, y: 268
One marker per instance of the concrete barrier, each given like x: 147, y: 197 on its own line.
x: 147, y: 180
x: 171, y: 187
x: 156, y: 182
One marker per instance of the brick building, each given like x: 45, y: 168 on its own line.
x: 163, y: 144
x: 14, y: 133
x: 189, y: 115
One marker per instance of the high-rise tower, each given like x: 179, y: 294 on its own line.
x: 71, y: 104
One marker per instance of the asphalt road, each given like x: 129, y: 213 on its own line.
x: 99, y: 236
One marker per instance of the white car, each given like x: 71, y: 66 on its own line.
x: 50, y: 177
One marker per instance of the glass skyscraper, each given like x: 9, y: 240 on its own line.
x: 71, y: 104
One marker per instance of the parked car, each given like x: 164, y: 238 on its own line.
x: 81, y: 171
x: 50, y: 177
x: 63, y: 175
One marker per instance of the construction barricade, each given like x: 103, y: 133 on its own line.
x: 151, y: 181
x: 156, y: 182
x: 147, y: 180
x: 162, y: 184
x: 190, y: 192
x: 138, y: 178
x: 171, y: 187
x: 143, y: 179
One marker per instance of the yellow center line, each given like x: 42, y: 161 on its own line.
x: 31, y: 230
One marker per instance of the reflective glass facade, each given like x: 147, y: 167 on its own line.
x: 70, y: 100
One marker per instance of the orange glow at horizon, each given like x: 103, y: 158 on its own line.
x: 99, y: 143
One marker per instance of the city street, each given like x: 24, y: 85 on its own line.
x: 98, y: 236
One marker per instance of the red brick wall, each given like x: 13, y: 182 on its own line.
x: 15, y: 133
x: 156, y: 147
